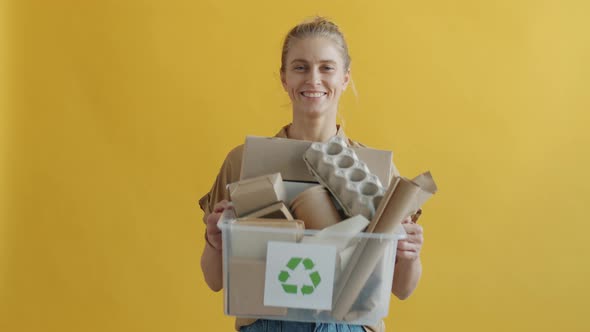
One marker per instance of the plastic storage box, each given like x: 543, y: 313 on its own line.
x: 287, y: 273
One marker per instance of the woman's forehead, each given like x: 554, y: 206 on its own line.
x: 314, y: 50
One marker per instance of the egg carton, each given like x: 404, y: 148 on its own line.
x: 337, y: 167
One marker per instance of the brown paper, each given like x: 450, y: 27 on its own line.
x: 426, y: 183
x: 397, y: 204
x: 253, y: 194
x: 402, y: 199
x: 274, y: 211
x: 246, y: 289
x: 250, y: 238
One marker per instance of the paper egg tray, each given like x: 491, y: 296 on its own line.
x: 337, y: 167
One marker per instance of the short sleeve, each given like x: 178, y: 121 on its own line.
x: 229, y: 173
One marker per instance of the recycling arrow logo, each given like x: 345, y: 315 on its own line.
x: 306, y: 289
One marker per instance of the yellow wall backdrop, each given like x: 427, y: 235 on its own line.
x: 118, y: 114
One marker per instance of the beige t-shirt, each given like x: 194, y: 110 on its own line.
x: 230, y: 172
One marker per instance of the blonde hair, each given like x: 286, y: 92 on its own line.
x: 317, y: 27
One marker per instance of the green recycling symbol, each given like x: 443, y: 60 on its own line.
x: 306, y: 289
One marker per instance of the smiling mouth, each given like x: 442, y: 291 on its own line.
x: 313, y: 94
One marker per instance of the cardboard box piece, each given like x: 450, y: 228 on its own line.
x: 274, y: 211
x: 246, y: 289
x: 249, y: 240
x: 265, y: 155
x: 256, y: 193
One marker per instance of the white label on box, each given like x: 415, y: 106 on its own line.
x: 299, y: 275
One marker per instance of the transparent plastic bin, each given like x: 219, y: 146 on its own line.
x: 288, y: 274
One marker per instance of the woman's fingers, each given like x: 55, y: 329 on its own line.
x: 213, y: 218
x: 407, y: 255
x: 412, y: 228
x: 404, y: 245
x: 213, y: 232
x: 407, y: 250
x: 215, y: 241
x: 414, y: 238
x: 410, y: 247
x: 212, y: 229
x: 220, y: 206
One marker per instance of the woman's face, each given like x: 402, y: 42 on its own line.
x: 314, y: 76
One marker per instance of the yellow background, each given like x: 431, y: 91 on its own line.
x: 116, y: 116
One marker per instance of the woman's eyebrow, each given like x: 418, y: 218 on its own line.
x: 333, y: 62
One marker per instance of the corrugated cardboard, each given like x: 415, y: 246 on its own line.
x: 265, y: 155
x: 246, y: 289
x: 256, y: 193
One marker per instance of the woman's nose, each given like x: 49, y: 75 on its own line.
x: 314, y: 77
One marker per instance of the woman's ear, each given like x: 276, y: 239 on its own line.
x: 283, y: 80
x: 346, y: 79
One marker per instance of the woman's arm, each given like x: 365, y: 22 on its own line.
x: 211, y: 260
x: 408, y: 267
x: 406, y: 276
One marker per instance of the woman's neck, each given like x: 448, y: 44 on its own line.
x: 318, y: 129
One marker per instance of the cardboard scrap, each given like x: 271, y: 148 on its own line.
x: 246, y: 289
x: 286, y: 156
x: 274, y: 211
x: 249, y: 236
x: 253, y: 194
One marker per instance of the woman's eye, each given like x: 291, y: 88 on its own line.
x: 299, y: 68
x: 328, y: 68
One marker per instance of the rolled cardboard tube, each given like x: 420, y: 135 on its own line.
x: 371, y: 253
x: 340, y: 234
x: 398, y: 203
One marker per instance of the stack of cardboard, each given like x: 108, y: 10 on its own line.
x: 273, y: 173
x: 258, y: 203
x: 251, y: 195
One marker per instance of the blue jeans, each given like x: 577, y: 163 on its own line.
x: 263, y: 325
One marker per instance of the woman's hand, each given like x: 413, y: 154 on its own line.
x: 211, y: 259
x: 409, y: 249
x: 213, y: 233
x: 408, y: 268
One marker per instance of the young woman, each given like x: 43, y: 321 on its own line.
x: 315, y: 71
